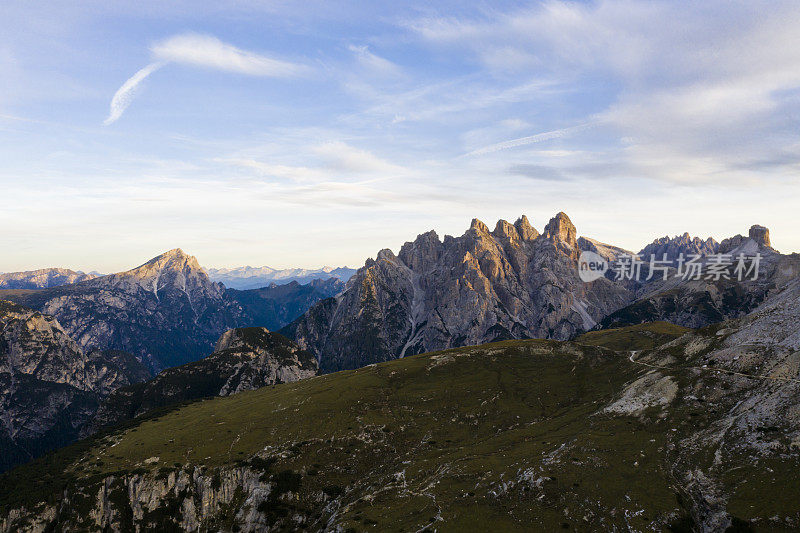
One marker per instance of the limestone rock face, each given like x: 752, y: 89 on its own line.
x: 48, y: 386
x: 243, y: 359
x: 477, y: 288
x: 561, y: 230
x: 525, y: 230
x: 760, y: 235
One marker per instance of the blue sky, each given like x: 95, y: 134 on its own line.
x: 303, y: 134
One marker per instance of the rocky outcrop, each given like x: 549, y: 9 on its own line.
x: 243, y: 359
x: 672, y: 248
x: 480, y: 287
x: 48, y: 387
x: 757, y: 238
x: 43, y: 278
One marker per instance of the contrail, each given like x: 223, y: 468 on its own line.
x: 124, y: 95
x: 539, y: 137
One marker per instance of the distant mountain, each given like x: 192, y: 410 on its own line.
x: 253, y: 278
x: 674, y: 247
x: 43, y: 279
x: 49, y: 388
x: 243, y: 359
x: 481, y: 287
x: 167, y: 311
x: 698, y: 303
x: 275, y: 306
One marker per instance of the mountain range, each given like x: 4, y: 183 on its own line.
x: 166, y: 312
x: 510, y: 283
x: 658, y: 403
x: 648, y: 427
x: 43, y: 278
x: 256, y: 277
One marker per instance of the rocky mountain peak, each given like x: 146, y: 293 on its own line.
x: 174, y: 269
x: 504, y: 230
x: 386, y: 255
x: 561, y: 229
x: 478, y: 226
x: 760, y: 234
x: 422, y: 252
x: 525, y: 230
x: 175, y: 259
x: 757, y: 239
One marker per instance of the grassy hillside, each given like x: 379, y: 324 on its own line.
x: 639, y: 337
x: 506, y: 436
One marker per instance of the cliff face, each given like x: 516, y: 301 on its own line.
x: 483, y: 286
x: 48, y: 386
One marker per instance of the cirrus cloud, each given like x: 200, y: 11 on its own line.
x: 204, y: 51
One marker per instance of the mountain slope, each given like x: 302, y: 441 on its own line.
x: 48, y: 387
x: 481, y: 287
x: 275, y: 306
x: 42, y: 279
x: 167, y: 311
x: 243, y: 359
x: 512, y: 436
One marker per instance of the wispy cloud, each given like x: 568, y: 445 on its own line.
x: 124, y: 95
x: 204, y: 51
x: 209, y: 52
x: 374, y: 62
x: 532, y: 139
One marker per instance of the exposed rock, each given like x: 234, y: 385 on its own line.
x: 760, y: 234
x: 243, y: 359
x: 479, y: 287
x: 561, y: 230
x: 525, y: 230
x: 700, y: 302
x: 48, y: 387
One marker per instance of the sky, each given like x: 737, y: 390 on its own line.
x: 303, y: 134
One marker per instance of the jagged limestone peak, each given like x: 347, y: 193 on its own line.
x: 505, y: 230
x: 478, y: 226
x: 561, y: 229
x: 525, y: 230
